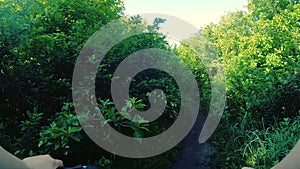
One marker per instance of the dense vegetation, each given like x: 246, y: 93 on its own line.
x: 41, y: 40
x: 260, y: 50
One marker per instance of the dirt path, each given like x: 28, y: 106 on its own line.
x: 193, y: 154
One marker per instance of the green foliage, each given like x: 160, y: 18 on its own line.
x: 260, y: 51
x: 258, y: 55
x: 103, y: 162
x: 63, y: 129
x: 265, y: 148
x: 258, y: 148
x: 200, y: 56
x: 39, y: 44
x: 29, y: 132
x: 121, y: 121
x: 267, y: 9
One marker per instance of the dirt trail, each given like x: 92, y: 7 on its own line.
x: 193, y: 154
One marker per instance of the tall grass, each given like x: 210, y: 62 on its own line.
x: 254, y: 143
x: 265, y: 148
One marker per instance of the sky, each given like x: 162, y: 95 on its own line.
x: 197, y: 12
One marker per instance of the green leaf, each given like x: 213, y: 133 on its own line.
x: 40, y: 143
x: 75, y: 138
x: 17, y: 152
x: 139, y: 106
x: 138, y: 136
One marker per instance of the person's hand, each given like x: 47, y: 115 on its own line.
x: 43, y: 162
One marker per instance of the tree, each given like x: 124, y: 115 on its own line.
x: 40, y: 41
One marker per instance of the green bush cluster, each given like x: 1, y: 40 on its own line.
x: 40, y: 42
x: 259, y: 51
x: 260, y: 54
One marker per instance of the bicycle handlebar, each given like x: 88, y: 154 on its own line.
x: 79, y: 167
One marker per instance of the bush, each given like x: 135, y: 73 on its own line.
x: 40, y: 42
x: 260, y: 52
